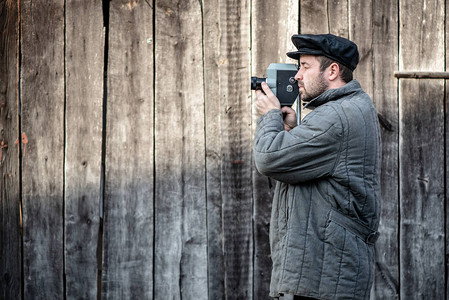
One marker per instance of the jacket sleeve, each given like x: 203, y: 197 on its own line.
x: 307, y: 152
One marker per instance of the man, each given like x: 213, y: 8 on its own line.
x: 326, y: 203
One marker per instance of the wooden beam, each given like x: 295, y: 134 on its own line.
x: 421, y: 75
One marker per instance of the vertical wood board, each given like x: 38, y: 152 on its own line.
x: 42, y: 104
x: 385, y: 96
x: 235, y: 111
x: 421, y: 149
x: 338, y: 17
x: 421, y: 189
x: 128, y: 200
x: 360, y: 32
x: 212, y: 103
x: 10, y: 238
x: 313, y: 16
x: 181, y: 234
x: 446, y: 33
x: 84, y: 114
x: 421, y: 35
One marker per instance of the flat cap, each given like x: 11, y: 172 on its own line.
x: 336, y: 48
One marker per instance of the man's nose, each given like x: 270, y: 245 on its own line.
x: 298, y: 75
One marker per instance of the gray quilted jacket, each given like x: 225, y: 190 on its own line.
x: 326, y: 203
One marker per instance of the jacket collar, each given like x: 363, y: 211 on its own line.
x: 334, y: 94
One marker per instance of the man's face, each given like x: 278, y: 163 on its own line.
x: 311, y: 81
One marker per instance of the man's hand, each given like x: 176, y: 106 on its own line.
x: 266, y: 102
x: 289, y: 118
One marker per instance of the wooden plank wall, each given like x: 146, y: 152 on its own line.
x: 10, y: 210
x: 126, y: 144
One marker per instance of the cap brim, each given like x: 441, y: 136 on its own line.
x: 297, y: 54
x: 294, y: 54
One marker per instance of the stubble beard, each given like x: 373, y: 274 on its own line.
x: 314, y: 89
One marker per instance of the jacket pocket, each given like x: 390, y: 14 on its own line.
x: 347, y: 264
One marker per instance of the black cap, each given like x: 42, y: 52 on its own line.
x: 336, y: 48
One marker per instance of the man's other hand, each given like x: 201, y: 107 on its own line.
x: 289, y: 118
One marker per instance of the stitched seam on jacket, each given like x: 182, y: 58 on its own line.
x: 370, y: 267
x: 305, y: 241
x: 324, y: 252
x: 337, y: 159
x: 341, y: 262
x: 364, y: 163
x: 358, y: 267
x: 281, y: 279
x: 346, y: 161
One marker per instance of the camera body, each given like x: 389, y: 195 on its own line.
x: 281, y: 80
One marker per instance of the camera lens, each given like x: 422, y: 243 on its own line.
x: 256, y: 83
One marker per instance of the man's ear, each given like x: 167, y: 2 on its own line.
x: 334, y: 71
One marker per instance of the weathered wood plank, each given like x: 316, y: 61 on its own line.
x: 322, y: 16
x: 360, y: 32
x: 446, y: 143
x: 128, y: 199
x: 422, y: 257
x: 84, y: 110
x: 180, y: 203
x: 313, y: 16
x: 236, y: 143
x: 282, y: 19
x: 338, y: 18
x: 42, y: 103
x: 385, y: 62
x: 211, y: 42
x: 10, y: 238
x: 421, y: 190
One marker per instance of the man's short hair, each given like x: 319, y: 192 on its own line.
x: 345, y: 73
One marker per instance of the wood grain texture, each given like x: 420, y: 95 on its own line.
x: 446, y: 144
x: 422, y: 257
x: 180, y: 211
x: 42, y: 115
x: 268, y: 46
x: 338, y: 17
x: 361, y: 31
x: 314, y: 16
x: 421, y: 189
x: 236, y: 138
x: 213, y: 105
x: 385, y: 96
x: 10, y: 231
x: 128, y: 200
x: 421, y: 36
x: 84, y: 111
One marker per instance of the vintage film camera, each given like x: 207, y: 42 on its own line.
x: 281, y: 80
